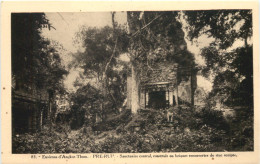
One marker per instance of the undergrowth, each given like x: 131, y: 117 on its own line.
x: 147, y: 131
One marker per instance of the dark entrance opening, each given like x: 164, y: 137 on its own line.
x: 157, y: 99
x: 21, y: 120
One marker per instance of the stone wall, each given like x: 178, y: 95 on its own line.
x: 129, y: 92
x: 177, y: 91
x: 163, y: 72
x: 30, y: 109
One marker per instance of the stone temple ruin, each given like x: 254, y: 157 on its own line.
x: 165, y: 85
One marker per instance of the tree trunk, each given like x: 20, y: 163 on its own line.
x: 135, y: 91
x: 104, y: 93
x: 192, y: 88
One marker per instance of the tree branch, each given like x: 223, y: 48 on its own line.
x: 146, y: 25
x: 111, y: 57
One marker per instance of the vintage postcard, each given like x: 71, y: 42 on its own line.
x: 130, y: 82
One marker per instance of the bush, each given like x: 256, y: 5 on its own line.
x: 113, y: 122
x: 212, y: 118
x: 242, y: 131
x: 202, y: 131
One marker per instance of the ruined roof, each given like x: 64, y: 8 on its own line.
x: 164, y: 72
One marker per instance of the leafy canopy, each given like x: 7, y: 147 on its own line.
x: 232, y: 70
x: 35, y: 60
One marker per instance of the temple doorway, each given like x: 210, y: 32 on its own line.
x: 157, y: 99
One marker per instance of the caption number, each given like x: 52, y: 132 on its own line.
x: 33, y: 156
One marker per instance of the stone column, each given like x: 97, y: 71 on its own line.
x: 142, y: 98
x: 176, y: 96
x: 171, y: 98
x: 146, y: 98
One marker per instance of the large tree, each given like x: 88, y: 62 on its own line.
x: 36, y: 61
x: 99, y: 61
x: 230, y: 66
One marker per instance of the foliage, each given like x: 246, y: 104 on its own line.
x: 157, y: 37
x: 232, y: 70
x: 113, y: 121
x: 101, y: 47
x: 98, y: 44
x: 242, y: 129
x: 223, y: 25
x: 99, y: 61
x: 230, y: 66
x: 35, y: 60
x: 202, y: 131
x: 154, y: 37
x: 59, y: 140
x: 86, y: 106
x: 86, y: 102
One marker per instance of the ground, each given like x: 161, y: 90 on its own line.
x: 147, y: 131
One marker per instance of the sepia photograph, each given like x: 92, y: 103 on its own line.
x: 132, y: 81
